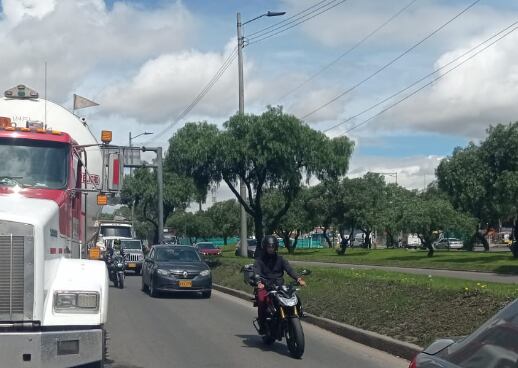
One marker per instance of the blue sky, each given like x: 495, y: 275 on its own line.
x: 144, y: 61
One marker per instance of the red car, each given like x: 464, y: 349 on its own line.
x: 208, y: 249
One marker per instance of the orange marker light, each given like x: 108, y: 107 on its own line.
x: 102, y: 199
x: 106, y: 136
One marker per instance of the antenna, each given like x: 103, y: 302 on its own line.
x: 45, y: 118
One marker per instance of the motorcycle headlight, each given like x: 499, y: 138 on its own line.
x: 119, y: 265
x: 205, y: 273
x: 289, y: 302
x: 163, y: 272
x: 76, y: 302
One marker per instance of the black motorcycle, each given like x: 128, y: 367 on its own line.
x: 284, y: 313
x: 116, y: 266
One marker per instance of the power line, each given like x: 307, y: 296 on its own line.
x: 287, y: 19
x: 226, y: 64
x: 421, y: 79
x: 257, y: 39
x: 392, y: 61
x: 429, y: 83
x: 348, y: 51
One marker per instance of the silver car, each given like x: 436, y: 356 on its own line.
x: 492, y: 345
x: 448, y: 243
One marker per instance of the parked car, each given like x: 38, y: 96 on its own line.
x: 175, y: 268
x: 251, y: 245
x: 133, y: 254
x: 448, y: 243
x: 208, y: 249
x: 492, y: 345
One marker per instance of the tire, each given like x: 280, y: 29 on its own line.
x: 295, y: 338
x: 152, y: 291
x: 121, y: 281
x: 116, y: 281
x: 143, y: 285
x: 206, y: 294
x: 99, y: 364
x: 268, y: 340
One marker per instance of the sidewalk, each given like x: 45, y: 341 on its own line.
x: 464, y: 275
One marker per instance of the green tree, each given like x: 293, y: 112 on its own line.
x: 141, y: 191
x: 363, y: 200
x: 194, y: 226
x: 392, y: 213
x: 464, y: 177
x: 428, y: 217
x: 272, y: 150
x: 295, y: 222
x: 225, y: 218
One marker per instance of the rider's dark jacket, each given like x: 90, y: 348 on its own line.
x: 272, y: 267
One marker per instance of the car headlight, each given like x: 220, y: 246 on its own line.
x: 205, y: 273
x: 163, y: 272
x: 76, y: 301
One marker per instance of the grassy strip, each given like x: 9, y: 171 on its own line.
x: 412, y: 308
x: 498, y: 262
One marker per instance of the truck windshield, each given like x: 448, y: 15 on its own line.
x: 119, y: 231
x: 32, y: 163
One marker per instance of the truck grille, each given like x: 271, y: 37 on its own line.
x: 16, y: 271
x: 190, y: 274
x: 11, y: 274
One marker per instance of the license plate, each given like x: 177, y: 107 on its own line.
x: 185, y: 283
x: 132, y: 265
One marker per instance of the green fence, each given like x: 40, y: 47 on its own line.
x: 305, y: 243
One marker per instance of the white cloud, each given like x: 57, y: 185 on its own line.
x: 466, y: 101
x: 351, y: 21
x: 412, y: 172
x: 80, y: 38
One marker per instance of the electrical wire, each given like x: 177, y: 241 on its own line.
x: 257, y: 39
x: 223, y: 68
x: 407, y: 51
x: 287, y: 19
x: 428, y: 84
x: 348, y: 51
x: 422, y: 78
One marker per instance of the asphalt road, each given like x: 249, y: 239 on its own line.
x: 187, y: 331
x: 464, y: 275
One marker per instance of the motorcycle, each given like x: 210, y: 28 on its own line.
x: 116, y: 266
x: 284, y: 313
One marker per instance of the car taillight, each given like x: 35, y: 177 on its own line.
x: 413, y: 363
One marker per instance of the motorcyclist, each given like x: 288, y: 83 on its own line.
x: 270, y: 267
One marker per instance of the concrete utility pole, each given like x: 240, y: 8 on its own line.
x: 242, y: 185
x: 158, y: 166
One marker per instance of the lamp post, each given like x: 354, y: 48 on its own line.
x: 138, y: 135
x: 242, y: 185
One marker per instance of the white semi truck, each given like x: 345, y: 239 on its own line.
x: 53, y: 303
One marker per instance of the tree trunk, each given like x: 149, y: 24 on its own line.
x: 429, y: 244
x: 482, y: 238
x: 297, y: 234
x: 258, y: 223
x: 287, y: 242
x: 368, y: 242
x: 329, y: 243
x: 225, y: 240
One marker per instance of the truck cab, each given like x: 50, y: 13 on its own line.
x: 53, y: 304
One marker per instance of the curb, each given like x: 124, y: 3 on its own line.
x: 375, y: 340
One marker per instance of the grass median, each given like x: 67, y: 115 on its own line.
x: 412, y: 308
x: 498, y: 262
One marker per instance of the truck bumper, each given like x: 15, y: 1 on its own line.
x: 52, y: 349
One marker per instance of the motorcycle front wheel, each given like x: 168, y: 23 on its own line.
x: 295, y: 338
x: 121, y: 280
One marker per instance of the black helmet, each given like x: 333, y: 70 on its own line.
x: 270, y: 241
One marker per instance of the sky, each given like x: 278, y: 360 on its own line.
x: 144, y: 62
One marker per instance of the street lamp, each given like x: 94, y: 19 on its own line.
x: 242, y: 185
x: 131, y: 138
